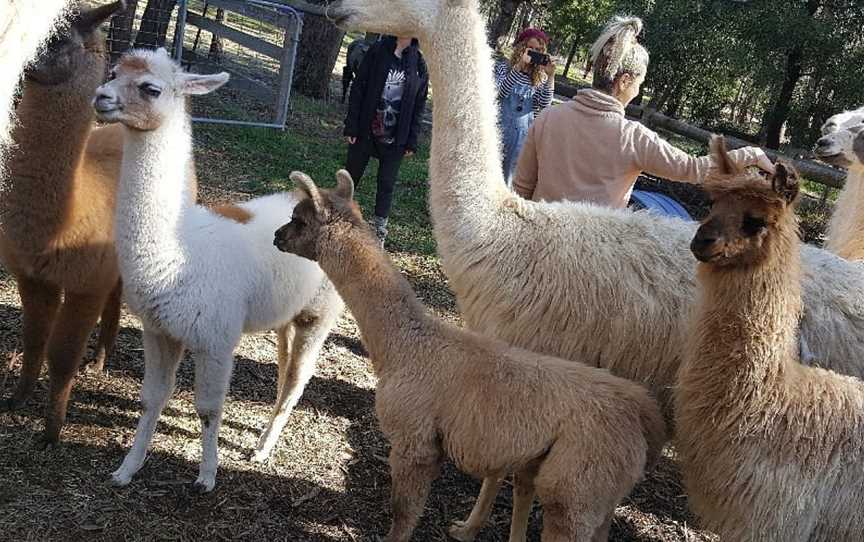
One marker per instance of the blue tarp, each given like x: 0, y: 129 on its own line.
x: 659, y: 203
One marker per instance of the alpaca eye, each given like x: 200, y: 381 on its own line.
x: 752, y: 225
x: 150, y: 90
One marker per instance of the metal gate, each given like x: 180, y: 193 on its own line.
x: 254, y: 40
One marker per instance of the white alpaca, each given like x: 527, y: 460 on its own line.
x: 572, y: 280
x: 24, y: 24
x: 197, y: 278
x: 846, y: 229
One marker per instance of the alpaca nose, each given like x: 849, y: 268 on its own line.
x: 104, y: 101
x: 702, y: 243
x: 823, y: 142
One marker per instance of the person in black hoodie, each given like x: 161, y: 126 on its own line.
x: 386, y: 102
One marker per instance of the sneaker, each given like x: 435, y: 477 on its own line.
x: 380, y: 225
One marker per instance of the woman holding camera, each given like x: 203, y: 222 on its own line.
x: 525, y: 85
x: 587, y: 150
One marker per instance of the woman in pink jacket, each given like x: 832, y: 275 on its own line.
x: 586, y: 150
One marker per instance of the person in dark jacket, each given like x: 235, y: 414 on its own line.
x: 387, y: 99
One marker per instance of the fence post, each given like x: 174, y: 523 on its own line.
x: 179, y: 30
x: 286, y: 66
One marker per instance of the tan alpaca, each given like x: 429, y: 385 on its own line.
x: 770, y: 450
x: 576, y: 436
x: 56, y: 234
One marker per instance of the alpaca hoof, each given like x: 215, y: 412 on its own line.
x: 259, y: 456
x: 45, y: 443
x: 11, y: 404
x: 95, y: 368
x: 119, y: 479
x: 460, y: 531
x: 200, y: 487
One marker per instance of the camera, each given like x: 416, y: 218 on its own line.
x: 540, y: 59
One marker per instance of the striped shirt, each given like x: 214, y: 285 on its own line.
x: 507, y: 77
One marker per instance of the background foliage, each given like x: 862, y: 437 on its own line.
x: 771, y: 71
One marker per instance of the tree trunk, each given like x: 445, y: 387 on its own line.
x: 780, y: 109
x: 503, y: 21
x: 570, y: 56
x: 319, y: 48
x: 120, y: 31
x: 779, y: 112
x: 215, y: 52
x: 154, y: 24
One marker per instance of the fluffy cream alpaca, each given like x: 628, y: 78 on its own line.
x: 576, y: 436
x: 770, y: 450
x: 837, y: 146
x: 573, y: 280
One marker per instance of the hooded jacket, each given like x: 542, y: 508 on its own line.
x: 369, y: 84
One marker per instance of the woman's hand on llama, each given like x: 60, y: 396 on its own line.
x: 763, y: 162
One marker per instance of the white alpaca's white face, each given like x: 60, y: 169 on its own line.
x: 843, y: 120
x: 145, y: 87
x: 843, y: 147
x: 396, y: 17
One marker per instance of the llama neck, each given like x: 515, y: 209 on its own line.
x: 23, y: 26
x: 154, y: 193
x: 747, y: 319
x: 55, y: 122
x: 383, y: 303
x: 846, y: 229
x: 467, y: 182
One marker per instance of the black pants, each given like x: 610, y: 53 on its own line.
x: 389, y: 159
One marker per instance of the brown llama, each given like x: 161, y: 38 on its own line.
x: 576, y: 436
x: 770, y: 449
x: 57, y: 214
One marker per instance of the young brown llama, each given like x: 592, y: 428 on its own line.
x: 576, y: 436
x: 770, y: 450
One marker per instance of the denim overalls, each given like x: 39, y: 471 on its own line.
x: 515, y: 114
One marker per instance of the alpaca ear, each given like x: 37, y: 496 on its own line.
x: 344, y: 185
x: 196, y: 84
x: 724, y: 163
x: 785, y: 181
x: 307, y: 186
x: 87, y: 21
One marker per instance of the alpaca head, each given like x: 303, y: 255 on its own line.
x: 842, y: 120
x: 146, y: 87
x: 319, y: 216
x: 843, y: 145
x: 396, y: 17
x: 746, y: 213
x: 63, y: 55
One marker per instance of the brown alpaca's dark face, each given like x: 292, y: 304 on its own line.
x: 741, y: 222
x: 63, y: 55
x: 300, y: 236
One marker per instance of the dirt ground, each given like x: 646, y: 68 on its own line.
x: 327, y: 481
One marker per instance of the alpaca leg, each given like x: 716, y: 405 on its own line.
x: 267, y: 440
x: 467, y: 530
x: 523, y: 500
x: 309, y: 330
x: 66, y: 348
x: 161, y: 357
x: 39, y: 304
x: 411, y: 478
x: 109, y: 323
x: 212, y: 376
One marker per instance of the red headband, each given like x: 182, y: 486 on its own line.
x: 529, y: 33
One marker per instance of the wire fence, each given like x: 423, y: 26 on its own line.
x: 253, y: 40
